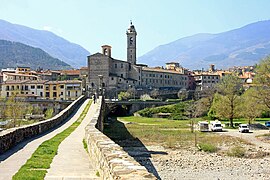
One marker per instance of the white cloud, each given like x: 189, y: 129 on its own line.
x: 47, y: 28
x: 53, y: 29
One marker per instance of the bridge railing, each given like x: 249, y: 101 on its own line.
x: 109, y: 158
x: 11, y: 137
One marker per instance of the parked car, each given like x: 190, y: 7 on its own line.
x: 267, y: 123
x: 243, y: 128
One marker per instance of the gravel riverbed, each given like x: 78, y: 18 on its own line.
x: 192, y: 164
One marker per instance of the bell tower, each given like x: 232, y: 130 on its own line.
x: 131, y: 44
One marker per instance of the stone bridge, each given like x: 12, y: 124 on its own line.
x: 106, y: 159
x: 129, y: 107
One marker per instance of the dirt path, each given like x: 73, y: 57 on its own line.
x: 250, y: 137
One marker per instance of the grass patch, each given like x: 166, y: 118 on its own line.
x: 36, y: 167
x: 85, y: 145
x: 206, y: 147
x: 237, y: 151
x: 178, y: 111
x: 165, y: 132
x: 97, y: 174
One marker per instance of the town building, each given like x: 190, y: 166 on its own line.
x: 206, y: 80
x: 43, y: 89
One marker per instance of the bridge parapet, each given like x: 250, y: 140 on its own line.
x: 110, y: 159
x: 11, y: 137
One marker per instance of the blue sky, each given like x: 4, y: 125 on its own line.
x: 92, y: 23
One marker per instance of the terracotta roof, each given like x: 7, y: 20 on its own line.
x: 71, y: 72
x: 15, y: 82
x: 161, y: 70
x: 63, y: 82
x: 84, y: 68
x: 17, y: 74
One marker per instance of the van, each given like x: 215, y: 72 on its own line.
x: 216, y: 126
x: 203, y: 126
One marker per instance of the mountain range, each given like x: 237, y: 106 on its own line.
x: 239, y: 47
x: 13, y: 54
x: 71, y: 53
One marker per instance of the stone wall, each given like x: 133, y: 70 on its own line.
x: 111, y: 161
x: 11, y: 137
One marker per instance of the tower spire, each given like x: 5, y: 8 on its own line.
x: 131, y: 44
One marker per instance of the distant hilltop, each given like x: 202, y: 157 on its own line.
x: 71, y: 53
x: 13, y: 54
x: 239, y: 47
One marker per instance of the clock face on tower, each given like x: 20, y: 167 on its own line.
x: 131, y: 40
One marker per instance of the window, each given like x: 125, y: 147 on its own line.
x: 68, y: 93
x: 39, y: 87
x: 26, y: 88
x: 41, y: 94
x: 112, y: 78
x: 76, y: 93
x: 122, y: 65
x: 62, y: 93
x: 54, y: 94
x: 32, y: 87
x: 54, y: 87
x: 7, y: 94
x: 33, y: 93
x: 7, y: 88
x: 121, y: 75
x: 115, y: 66
x: 62, y: 86
x: 47, y: 94
x: 47, y: 88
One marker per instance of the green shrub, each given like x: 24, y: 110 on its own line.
x: 237, y: 151
x: 178, y: 110
x: 206, y: 147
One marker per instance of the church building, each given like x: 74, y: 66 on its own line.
x: 118, y: 75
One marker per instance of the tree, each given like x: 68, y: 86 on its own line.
x: 154, y: 93
x: 145, y: 97
x: 182, y: 94
x: 15, y: 109
x: 49, y: 113
x: 124, y: 95
x: 262, y: 82
x: 2, y: 108
x: 251, y: 107
x: 227, y: 99
x: 202, y: 106
x: 204, y: 101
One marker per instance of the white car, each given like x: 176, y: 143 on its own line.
x: 243, y: 128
